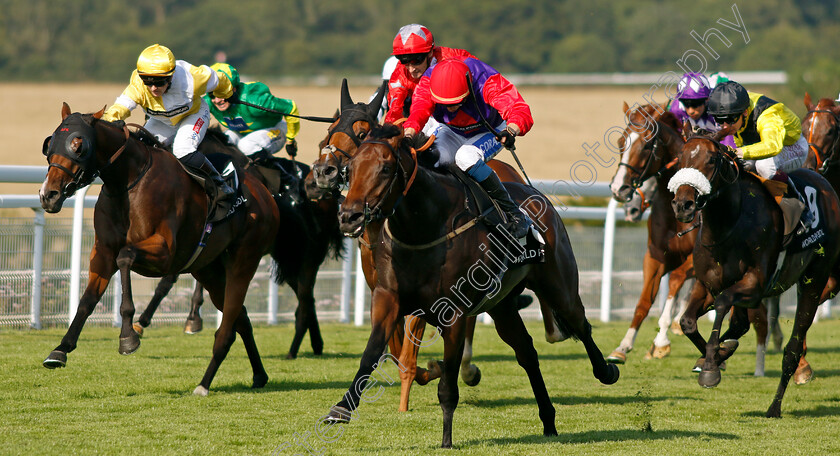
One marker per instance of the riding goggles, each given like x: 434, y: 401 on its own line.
x: 156, y: 81
x: 727, y: 119
x: 693, y: 102
x: 412, y: 59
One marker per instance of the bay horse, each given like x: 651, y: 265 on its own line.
x: 433, y: 260
x: 150, y: 219
x: 308, y: 233
x: 354, y: 123
x: 739, y: 258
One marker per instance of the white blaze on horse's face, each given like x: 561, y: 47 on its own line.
x: 695, y: 151
x: 618, y: 179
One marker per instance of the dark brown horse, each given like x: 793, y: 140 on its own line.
x: 344, y: 136
x: 150, y: 218
x: 738, y: 258
x: 308, y: 233
x: 436, y: 258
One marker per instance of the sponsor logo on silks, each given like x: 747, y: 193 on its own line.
x: 198, y: 124
x: 814, y: 237
x: 171, y: 113
x: 237, y: 124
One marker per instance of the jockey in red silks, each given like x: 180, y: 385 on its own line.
x: 414, y: 47
x: 459, y: 93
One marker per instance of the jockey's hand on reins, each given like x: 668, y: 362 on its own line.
x: 292, y: 148
x: 507, y: 137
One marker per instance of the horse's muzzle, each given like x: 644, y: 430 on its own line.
x: 684, y: 209
x: 624, y: 194
x: 51, y: 200
x: 351, y: 222
x: 326, y: 175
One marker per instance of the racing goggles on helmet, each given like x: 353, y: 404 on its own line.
x: 693, y: 102
x: 727, y: 118
x: 157, y: 81
x: 412, y: 59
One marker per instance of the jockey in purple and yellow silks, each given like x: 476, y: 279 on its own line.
x: 690, y: 105
x: 169, y: 92
x: 258, y: 133
x: 453, y: 91
x: 766, y: 132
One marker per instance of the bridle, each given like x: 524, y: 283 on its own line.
x: 81, y: 137
x: 654, y: 144
x: 823, y: 160
x: 346, y: 127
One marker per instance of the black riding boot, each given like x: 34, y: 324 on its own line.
x: 518, y: 222
x: 197, y: 161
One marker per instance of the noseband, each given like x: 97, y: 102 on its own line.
x: 823, y: 160
x: 346, y: 127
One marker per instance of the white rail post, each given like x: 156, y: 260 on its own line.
x: 116, y: 283
x: 361, y: 286
x: 76, y: 252
x: 346, y: 280
x: 607, y: 262
x: 273, y: 298
x: 37, y: 267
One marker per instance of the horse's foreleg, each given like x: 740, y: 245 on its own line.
x: 246, y: 331
x: 163, y: 288
x: 759, y: 320
x: 512, y: 330
x: 384, y: 314
x: 684, y: 297
x: 102, y: 267
x: 415, y: 327
x: 470, y: 373
x: 448, y: 396
x: 661, y: 344
x: 699, y: 300
x: 806, y: 308
x: 194, y: 323
x: 652, y: 273
x: 302, y: 312
x: 129, y: 339
x: 774, y: 328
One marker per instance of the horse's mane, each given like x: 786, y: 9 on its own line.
x: 716, y: 137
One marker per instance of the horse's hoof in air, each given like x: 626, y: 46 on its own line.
x: 476, y: 377
x: 617, y: 357
x: 709, y: 379
x: 130, y: 344
x: 193, y: 326
x: 611, y: 375
x: 56, y: 359
x: 435, y: 369
x: 727, y: 348
x: 138, y: 329
x: 201, y: 391
x: 804, y: 374
x: 337, y: 414
x: 677, y: 329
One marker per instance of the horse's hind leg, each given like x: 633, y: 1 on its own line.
x: 162, y: 289
x: 414, y: 329
x: 102, y: 267
x: 470, y: 373
x: 194, y: 323
x: 652, y: 271
x: 246, y: 331
x: 129, y: 339
x: 512, y: 331
x: 774, y: 328
x: 759, y: 320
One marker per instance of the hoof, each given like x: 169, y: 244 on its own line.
x: 661, y: 352
x: 803, y: 375
x: 698, y: 366
x: 476, y: 378
x: 610, y: 375
x: 617, y: 357
x: 130, y: 344
x: 775, y: 411
x: 337, y: 414
x: 138, y: 329
x: 291, y: 355
x: 260, y: 381
x: 677, y: 329
x: 727, y: 348
x: 201, y: 391
x: 56, y: 359
x: 435, y: 368
x: 193, y: 326
x: 709, y: 379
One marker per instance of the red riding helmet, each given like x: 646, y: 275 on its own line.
x: 413, y: 39
x: 449, y: 82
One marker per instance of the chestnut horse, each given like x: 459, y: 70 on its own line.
x: 150, y: 218
x: 328, y: 173
x: 432, y: 241
x: 739, y: 258
x: 308, y: 233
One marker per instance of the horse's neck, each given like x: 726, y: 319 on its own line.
x: 118, y: 171
x: 425, y: 210
x: 723, y: 212
x: 673, y: 143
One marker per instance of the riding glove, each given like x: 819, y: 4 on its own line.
x: 292, y: 148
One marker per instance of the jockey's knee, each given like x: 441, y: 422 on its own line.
x: 467, y: 156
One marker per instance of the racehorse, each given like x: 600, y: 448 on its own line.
x: 434, y: 259
x: 739, y: 258
x: 821, y: 127
x: 308, y: 232
x: 150, y: 218
x: 344, y: 136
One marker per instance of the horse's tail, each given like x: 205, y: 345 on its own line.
x: 292, y: 245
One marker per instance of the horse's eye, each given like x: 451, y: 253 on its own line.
x: 386, y: 170
x: 362, y: 134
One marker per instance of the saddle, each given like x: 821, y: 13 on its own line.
x: 510, y: 250
x: 792, y: 207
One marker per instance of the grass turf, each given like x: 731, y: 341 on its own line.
x: 104, y: 403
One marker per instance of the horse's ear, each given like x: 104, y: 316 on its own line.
x: 99, y: 114
x: 807, y: 101
x: 376, y: 103
x: 336, y: 115
x: 346, y: 101
x: 724, y: 132
x: 65, y: 110
x: 686, y: 129
x: 625, y: 108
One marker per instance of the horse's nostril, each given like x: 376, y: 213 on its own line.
x: 330, y: 171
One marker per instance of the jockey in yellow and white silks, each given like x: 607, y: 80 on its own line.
x: 169, y: 91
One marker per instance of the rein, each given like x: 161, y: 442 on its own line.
x: 718, y: 162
